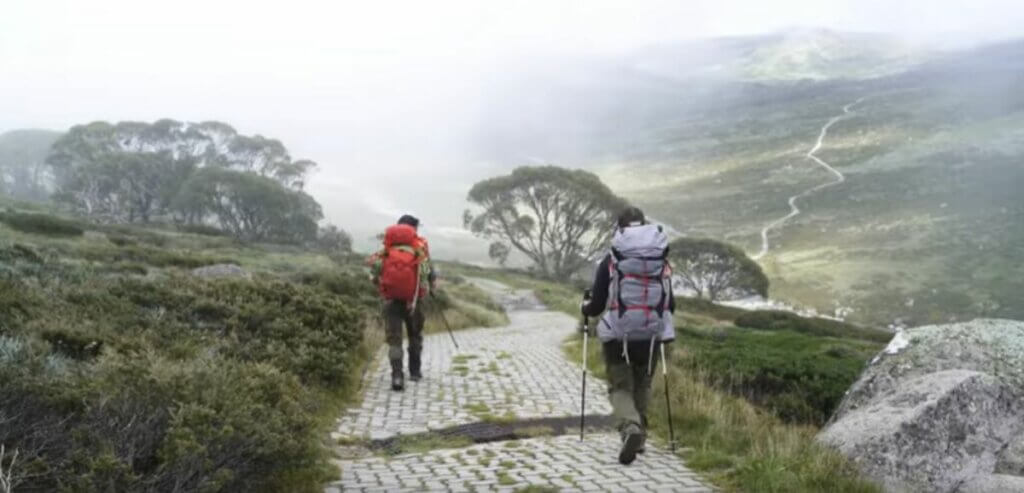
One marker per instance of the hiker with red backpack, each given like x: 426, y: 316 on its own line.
x: 404, y: 276
x: 633, y: 289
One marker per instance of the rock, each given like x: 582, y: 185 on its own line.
x: 993, y: 483
x: 937, y: 408
x: 221, y: 271
x: 1011, y: 459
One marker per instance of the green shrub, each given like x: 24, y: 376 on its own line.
x: 152, y: 425
x: 346, y: 284
x: 73, y: 344
x: 782, y: 320
x: 202, y: 229
x: 147, y: 255
x: 123, y: 235
x: 798, y: 376
x: 15, y: 305
x: 20, y: 253
x: 42, y: 224
x: 178, y: 384
x: 136, y: 268
x: 121, y: 240
x: 714, y: 310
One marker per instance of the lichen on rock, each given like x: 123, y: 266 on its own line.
x: 940, y: 412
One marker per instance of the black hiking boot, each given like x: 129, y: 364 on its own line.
x: 414, y: 367
x: 397, y: 382
x: 632, y: 441
x: 397, y: 377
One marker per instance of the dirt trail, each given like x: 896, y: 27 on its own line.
x: 838, y: 178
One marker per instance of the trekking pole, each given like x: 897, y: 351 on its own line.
x: 583, y: 389
x: 583, y: 392
x: 440, y: 311
x: 668, y: 403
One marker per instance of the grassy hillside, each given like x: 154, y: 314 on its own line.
x: 122, y: 370
x: 746, y: 402
x: 789, y: 55
x: 927, y: 226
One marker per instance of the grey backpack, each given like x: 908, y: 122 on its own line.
x: 638, y: 296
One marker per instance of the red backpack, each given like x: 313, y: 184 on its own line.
x: 400, y: 263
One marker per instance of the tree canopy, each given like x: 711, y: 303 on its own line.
x: 195, y: 173
x: 206, y: 144
x: 250, y: 206
x: 715, y: 269
x: 559, y: 218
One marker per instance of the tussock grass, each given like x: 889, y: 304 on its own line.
x: 744, y: 448
x: 739, y: 446
x: 41, y: 224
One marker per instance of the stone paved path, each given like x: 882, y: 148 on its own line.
x: 515, y: 371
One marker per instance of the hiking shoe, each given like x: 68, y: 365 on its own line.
x: 633, y: 440
x: 397, y: 382
x: 415, y: 377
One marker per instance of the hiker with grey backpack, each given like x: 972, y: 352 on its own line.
x: 633, y: 289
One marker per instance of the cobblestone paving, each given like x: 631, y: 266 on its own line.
x: 518, y: 370
x: 560, y: 463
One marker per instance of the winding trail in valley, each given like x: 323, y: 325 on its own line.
x: 838, y: 178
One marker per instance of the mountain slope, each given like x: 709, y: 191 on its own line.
x: 929, y: 222
x: 792, y: 55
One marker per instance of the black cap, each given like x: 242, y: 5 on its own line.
x: 409, y: 220
x: 630, y: 216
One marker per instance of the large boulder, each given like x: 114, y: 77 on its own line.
x: 939, y: 410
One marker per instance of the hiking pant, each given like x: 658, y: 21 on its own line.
x: 396, y: 314
x: 629, y: 384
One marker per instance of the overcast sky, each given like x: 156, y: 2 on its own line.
x: 372, y: 90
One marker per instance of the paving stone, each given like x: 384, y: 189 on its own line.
x: 533, y: 380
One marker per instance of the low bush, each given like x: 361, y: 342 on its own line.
x: 714, y: 310
x: 152, y: 256
x: 782, y: 320
x: 123, y: 234
x: 151, y: 425
x: 20, y: 253
x: 181, y: 384
x: 349, y: 285
x: 41, y: 224
x: 799, y: 377
x: 202, y: 229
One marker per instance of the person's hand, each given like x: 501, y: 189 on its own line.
x: 586, y: 301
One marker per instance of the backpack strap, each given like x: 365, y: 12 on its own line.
x: 408, y: 249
